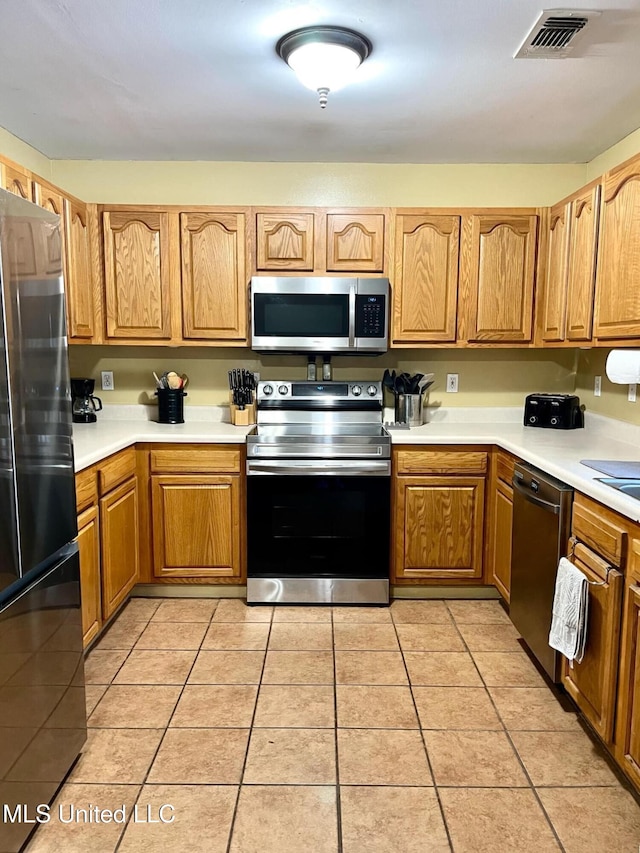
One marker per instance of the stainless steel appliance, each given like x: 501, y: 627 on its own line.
x: 553, y: 411
x: 541, y: 527
x: 318, y: 495
x: 41, y: 667
x: 83, y: 404
x: 323, y: 315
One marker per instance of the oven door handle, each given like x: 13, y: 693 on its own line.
x: 319, y: 467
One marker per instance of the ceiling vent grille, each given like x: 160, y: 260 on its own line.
x: 556, y: 34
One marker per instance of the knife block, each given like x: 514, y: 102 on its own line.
x: 243, y: 417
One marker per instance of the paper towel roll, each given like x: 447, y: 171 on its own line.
x: 623, y: 366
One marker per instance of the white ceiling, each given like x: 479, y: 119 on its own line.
x: 200, y: 80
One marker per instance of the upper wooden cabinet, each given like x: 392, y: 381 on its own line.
x: 585, y: 209
x: 83, y: 292
x: 214, y: 280
x: 617, y: 311
x: 16, y: 180
x: 557, y: 269
x: 355, y: 243
x: 52, y: 200
x: 320, y: 241
x: 501, y: 273
x: 137, y: 274
x: 285, y: 241
x: 425, y: 282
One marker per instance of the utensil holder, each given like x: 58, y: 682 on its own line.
x: 171, y: 405
x: 243, y: 417
x: 409, y: 409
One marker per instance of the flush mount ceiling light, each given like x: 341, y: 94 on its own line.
x: 324, y: 58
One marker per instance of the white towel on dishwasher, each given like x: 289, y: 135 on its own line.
x: 568, y: 633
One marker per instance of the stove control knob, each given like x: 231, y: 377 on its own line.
x: 267, y: 390
x: 372, y: 390
x: 282, y: 389
x: 356, y: 390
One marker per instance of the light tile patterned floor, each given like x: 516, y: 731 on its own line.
x: 419, y: 727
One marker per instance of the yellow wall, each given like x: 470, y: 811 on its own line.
x: 486, y: 377
x: 25, y: 155
x: 613, y: 403
x: 627, y: 147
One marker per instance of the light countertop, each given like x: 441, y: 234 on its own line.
x: 558, y: 452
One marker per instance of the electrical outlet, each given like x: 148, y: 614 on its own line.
x: 107, y: 380
x: 452, y: 383
x: 631, y: 397
x: 597, y: 387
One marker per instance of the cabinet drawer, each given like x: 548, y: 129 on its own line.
x: 201, y: 460
x: 86, y: 489
x: 116, y: 469
x: 504, y: 467
x: 597, y: 528
x: 440, y: 462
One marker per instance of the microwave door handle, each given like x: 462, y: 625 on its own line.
x: 352, y: 316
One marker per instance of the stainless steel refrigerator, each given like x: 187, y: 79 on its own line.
x: 42, y: 707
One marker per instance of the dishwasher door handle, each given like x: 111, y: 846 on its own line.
x: 549, y: 506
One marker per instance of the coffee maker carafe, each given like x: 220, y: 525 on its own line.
x: 83, y: 404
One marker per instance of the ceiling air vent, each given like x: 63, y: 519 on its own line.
x: 556, y: 34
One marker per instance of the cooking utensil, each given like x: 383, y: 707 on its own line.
x: 173, y: 380
x: 158, y: 382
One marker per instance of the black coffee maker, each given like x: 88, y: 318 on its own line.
x: 83, y: 404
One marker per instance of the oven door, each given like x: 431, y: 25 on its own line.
x: 318, y: 537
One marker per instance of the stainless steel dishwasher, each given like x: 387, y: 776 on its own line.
x: 541, y: 526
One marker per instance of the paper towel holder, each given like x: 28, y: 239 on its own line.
x: 623, y: 366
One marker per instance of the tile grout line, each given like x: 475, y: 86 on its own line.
x: 335, y: 730
x: 420, y: 729
x: 508, y: 736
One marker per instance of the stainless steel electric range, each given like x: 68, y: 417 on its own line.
x: 318, y: 495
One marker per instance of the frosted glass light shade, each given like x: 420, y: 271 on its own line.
x: 324, y: 66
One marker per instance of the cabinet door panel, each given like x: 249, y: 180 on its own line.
x: 502, y: 277
x: 555, y: 299
x: 285, y: 242
x: 53, y: 201
x: 592, y: 683
x: 17, y: 182
x: 440, y: 524
x: 502, y: 523
x: 618, y: 276
x: 425, y: 294
x: 120, y: 559
x: 137, y: 277
x: 582, y: 265
x: 79, y: 283
x: 355, y: 243
x: 628, y: 711
x: 214, y: 296
x: 196, y: 526
x: 89, y: 548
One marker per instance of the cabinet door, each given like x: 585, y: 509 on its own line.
x: 53, y: 201
x: 439, y: 527
x: 555, y: 297
x: 502, y: 277
x: 355, y: 243
x: 196, y: 526
x: 285, y: 241
x: 120, y: 560
x: 214, y: 284
x: 582, y: 264
x: 425, y: 293
x: 502, y: 523
x: 79, y: 283
x: 617, y: 311
x: 628, y: 725
x: 17, y: 182
x: 137, y: 277
x: 592, y: 683
x: 89, y: 547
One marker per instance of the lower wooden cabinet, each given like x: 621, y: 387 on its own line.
x: 501, y: 539
x: 628, y: 711
x: 592, y: 683
x: 89, y: 548
x: 120, y: 560
x: 196, y: 525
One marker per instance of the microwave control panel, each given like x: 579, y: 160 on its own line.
x: 370, y: 316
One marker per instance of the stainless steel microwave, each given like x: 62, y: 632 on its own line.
x: 324, y: 315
